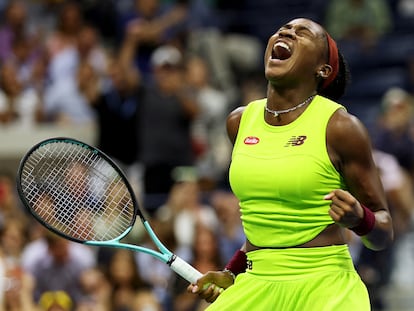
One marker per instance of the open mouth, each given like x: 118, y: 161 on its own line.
x: 281, y: 51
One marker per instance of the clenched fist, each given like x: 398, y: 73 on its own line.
x: 345, y: 209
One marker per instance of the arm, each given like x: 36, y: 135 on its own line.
x: 154, y: 30
x: 127, y: 53
x: 349, y: 148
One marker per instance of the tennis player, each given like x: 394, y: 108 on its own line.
x: 303, y: 171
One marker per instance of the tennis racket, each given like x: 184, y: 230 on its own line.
x: 79, y: 193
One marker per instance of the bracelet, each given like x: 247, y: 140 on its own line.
x: 367, y: 223
x: 238, y: 263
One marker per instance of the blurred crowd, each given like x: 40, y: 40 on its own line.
x: 157, y: 79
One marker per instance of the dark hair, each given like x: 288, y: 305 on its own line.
x: 336, y: 89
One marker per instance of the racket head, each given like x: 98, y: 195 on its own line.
x: 77, y: 191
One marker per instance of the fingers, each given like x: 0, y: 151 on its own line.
x: 345, y: 209
x: 340, y: 195
x: 208, y: 292
x: 209, y: 286
x: 329, y: 196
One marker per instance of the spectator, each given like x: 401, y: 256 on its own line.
x: 55, y: 301
x: 91, y: 50
x: 57, y: 264
x: 61, y: 43
x: 68, y: 100
x: 360, y: 22
x: 231, y: 54
x: 19, y: 285
x: 96, y: 290
x: 13, y: 239
x: 167, y: 102
x: 395, y: 132
x: 154, y: 25
x: 14, y: 26
x: 185, y: 209
x: 230, y: 231
x: 376, y: 268
x: 209, y: 132
x: 9, y: 204
x: 18, y: 106
x: 172, y: 107
x: 25, y: 57
x: 116, y: 108
x: 145, y: 300
x: 44, y: 16
x: 160, y: 275
x: 103, y: 16
x: 207, y: 257
x: 176, y: 225
x: 125, y: 278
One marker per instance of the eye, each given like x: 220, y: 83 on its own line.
x: 304, y: 32
x: 281, y: 29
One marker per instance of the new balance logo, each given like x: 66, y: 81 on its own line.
x: 296, y: 141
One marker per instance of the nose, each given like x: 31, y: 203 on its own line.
x: 287, y: 33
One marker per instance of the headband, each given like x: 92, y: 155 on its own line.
x: 333, y: 61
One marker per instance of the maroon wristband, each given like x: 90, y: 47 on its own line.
x: 367, y: 222
x: 238, y: 263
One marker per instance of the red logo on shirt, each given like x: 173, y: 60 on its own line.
x: 251, y: 140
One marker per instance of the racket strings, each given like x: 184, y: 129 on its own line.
x: 76, y: 192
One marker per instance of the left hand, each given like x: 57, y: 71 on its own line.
x: 211, y: 285
x: 345, y: 209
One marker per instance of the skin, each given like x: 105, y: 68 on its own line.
x: 290, y: 82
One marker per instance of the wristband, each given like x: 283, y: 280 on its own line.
x: 238, y: 263
x: 367, y: 222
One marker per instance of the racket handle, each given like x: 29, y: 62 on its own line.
x: 186, y: 270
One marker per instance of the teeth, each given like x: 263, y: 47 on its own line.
x: 282, y: 45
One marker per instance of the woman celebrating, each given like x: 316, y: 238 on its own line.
x: 303, y: 171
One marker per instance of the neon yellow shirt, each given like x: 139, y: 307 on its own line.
x: 280, y: 174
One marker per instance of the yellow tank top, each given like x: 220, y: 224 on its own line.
x: 280, y: 174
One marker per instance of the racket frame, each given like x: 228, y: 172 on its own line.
x: 177, y: 264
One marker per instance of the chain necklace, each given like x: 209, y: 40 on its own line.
x: 278, y: 112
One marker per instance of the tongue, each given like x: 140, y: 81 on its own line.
x: 281, y: 53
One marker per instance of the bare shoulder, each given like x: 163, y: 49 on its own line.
x: 348, y: 138
x: 344, y: 126
x: 233, y: 122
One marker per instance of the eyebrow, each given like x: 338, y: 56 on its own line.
x: 300, y: 27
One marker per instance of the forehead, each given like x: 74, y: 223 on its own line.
x: 308, y: 24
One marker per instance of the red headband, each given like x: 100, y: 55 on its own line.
x: 333, y: 61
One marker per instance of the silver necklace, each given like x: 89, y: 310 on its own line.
x: 278, y: 112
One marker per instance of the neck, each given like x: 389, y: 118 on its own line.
x: 282, y: 97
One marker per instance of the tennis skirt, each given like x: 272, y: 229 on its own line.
x: 296, y: 279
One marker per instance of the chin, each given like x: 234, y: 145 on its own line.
x: 271, y: 75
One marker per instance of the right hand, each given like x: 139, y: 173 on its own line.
x: 211, y: 285
x: 136, y: 30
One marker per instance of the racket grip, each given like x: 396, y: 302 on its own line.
x: 185, y: 270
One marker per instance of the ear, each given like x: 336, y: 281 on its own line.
x: 324, y: 71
